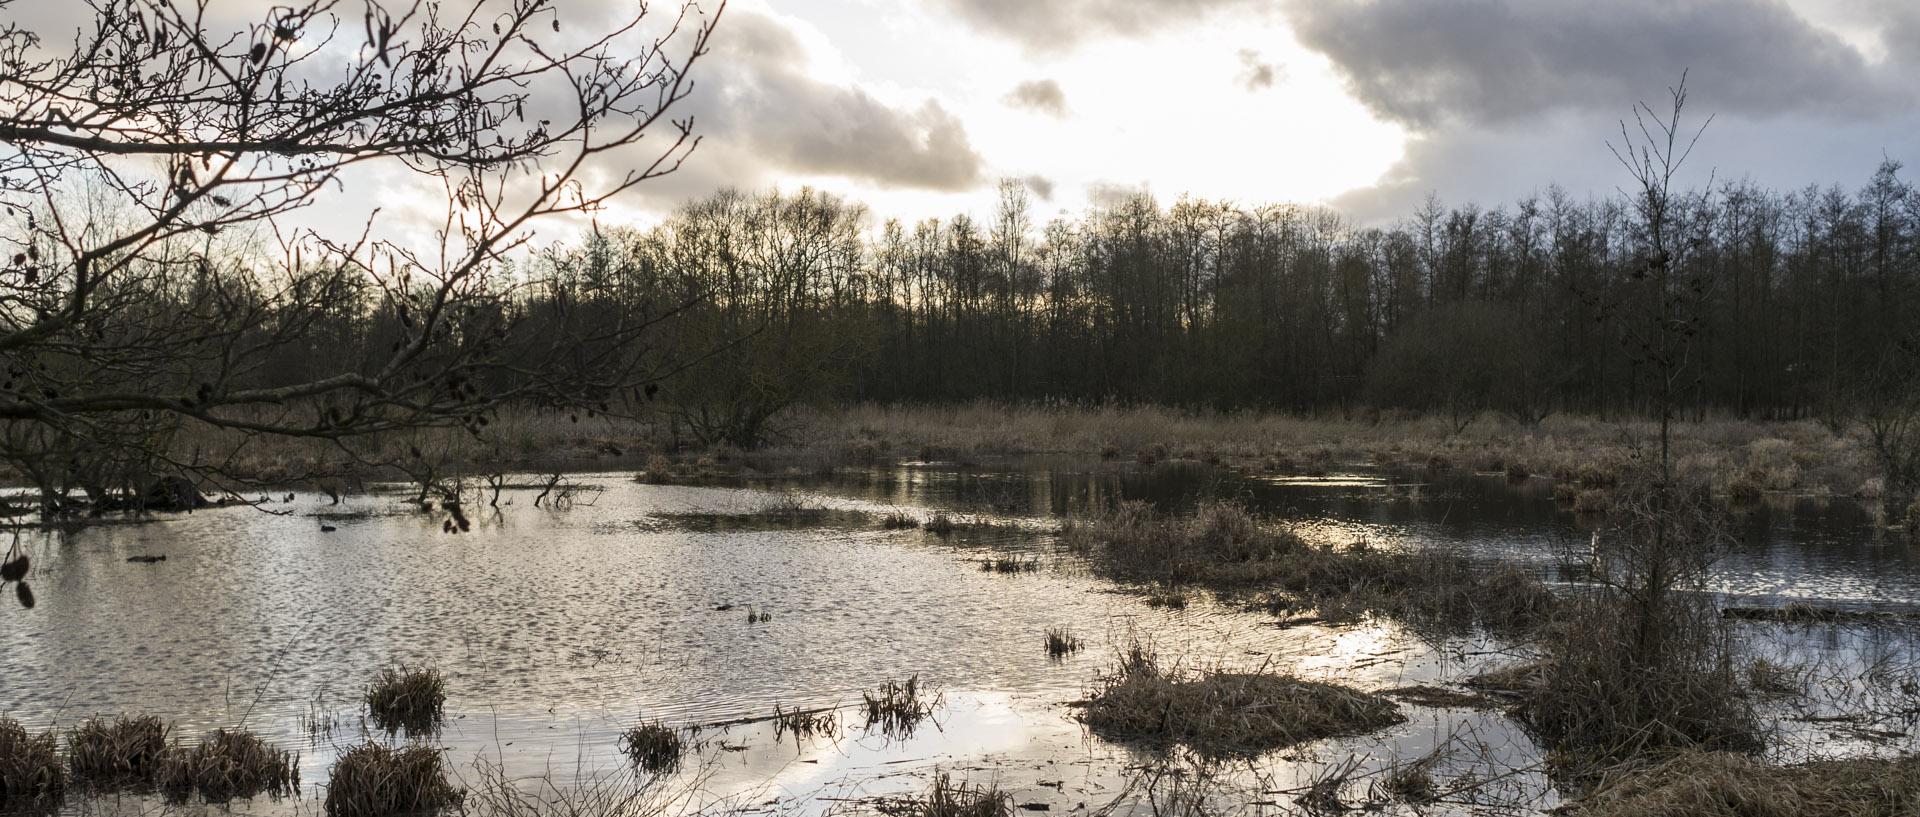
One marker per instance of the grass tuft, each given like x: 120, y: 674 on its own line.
x: 1217, y: 711
x: 229, y: 764
x: 899, y: 520
x: 898, y: 707
x: 1725, y: 784
x: 941, y: 524
x: 950, y: 799
x: 804, y: 723
x: 653, y: 746
x: 371, y: 780
x: 403, y: 697
x: 1061, y: 641
x: 29, y: 764
x: 122, y: 749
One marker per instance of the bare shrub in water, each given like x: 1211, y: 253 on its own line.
x: 371, y: 780
x: 123, y: 748
x: 29, y: 764
x: 229, y: 764
x: 406, y: 697
x: 1644, y: 662
x: 1218, y: 711
x: 652, y: 746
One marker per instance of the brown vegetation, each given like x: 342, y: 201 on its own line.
x: 403, y: 697
x: 370, y: 780
x: 949, y: 799
x: 898, y: 707
x: 652, y: 746
x: 228, y: 764
x: 29, y: 764
x: 1724, y: 784
x: 1219, y: 711
x: 124, y: 748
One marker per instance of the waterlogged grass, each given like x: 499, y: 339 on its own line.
x: 1725, y: 784
x: 228, y: 764
x: 804, y: 723
x: 949, y: 799
x: 898, y: 707
x: 1217, y: 711
x: 1061, y: 642
x: 30, y: 766
x: 1226, y: 548
x: 403, y: 697
x: 371, y: 780
x: 119, y: 749
x: 653, y: 746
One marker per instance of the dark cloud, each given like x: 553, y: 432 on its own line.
x: 1040, y: 185
x: 1426, y: 63
x: 1110, y: 194
x: 1257, y: 74
x: 1041, y: 95
x: 1060, y: 25
x: 757, y: 97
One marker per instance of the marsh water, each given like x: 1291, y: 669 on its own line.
x: 557, y: 628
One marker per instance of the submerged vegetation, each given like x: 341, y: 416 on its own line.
x: 228, y: 764
x: 1220, y: 711
x: 898, y: 707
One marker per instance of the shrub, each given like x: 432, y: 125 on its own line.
x: 403, y: 697
x: 371, y: 780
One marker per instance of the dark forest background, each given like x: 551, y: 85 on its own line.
x: 1807, y: 299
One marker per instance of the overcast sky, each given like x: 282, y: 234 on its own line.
x: 919, y: 106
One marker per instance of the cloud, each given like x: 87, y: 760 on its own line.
x: 1112, y: 194
x: 1426, y: 64
x: 758, y: 97
x: 1039, y: 95
x: 1040, y: 185
x: 1061, y: 25
x: 1257, y: 74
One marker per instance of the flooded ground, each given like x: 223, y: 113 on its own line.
x: 559, y: 628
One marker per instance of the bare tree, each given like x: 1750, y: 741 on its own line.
x: 156, y: 269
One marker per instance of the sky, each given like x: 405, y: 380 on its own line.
x: 919, y: 107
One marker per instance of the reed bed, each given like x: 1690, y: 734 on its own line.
x: 30, y: 766
x: 1218, y: 711
x: 228, y: 764
x: 403, y: 697
x: 125, y: 748
x: 370, y: 780
x: 1727, y: 784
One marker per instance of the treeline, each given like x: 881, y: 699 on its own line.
x: 1803, y: 298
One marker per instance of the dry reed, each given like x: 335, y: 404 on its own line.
x: 29, y: 764
x: 228, y: 764
x: 403, y: 697
x: 122, y: 749
x: 371, y: 780
x: 652, y: 746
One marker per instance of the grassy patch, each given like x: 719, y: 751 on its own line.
x: 899, y: 520
x: 652, y: 746
x: 403, y: 697
x: 941, y: 524
x: 898, y: 707
x: 1723, y: 784
x: 949, y: 799
x: 229, y: 764
x: 1010, y: 564
x: 1217, y: 711
x: 1061, y: 642
x: 370, y: 780
x: 122, y: 749
x: 29, y: 764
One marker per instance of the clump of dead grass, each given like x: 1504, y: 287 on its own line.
x: 371, y: 780
x: 949, y: 799
x: 29, y: 764
x: 404, y: 697
x: 1220, y: 711
x: 1061, y: 641
x: 898, y: 707
x: 228, y: 764
x: 804, y: 723
x: 119, y: 749
x: 1726, y: 784
x: 652, y: 746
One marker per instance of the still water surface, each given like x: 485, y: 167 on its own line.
x: 558, y: 628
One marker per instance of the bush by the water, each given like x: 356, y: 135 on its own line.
x: 122, y: 748
x: 1218, y: 711
x: 29, y: 764
x: 228, y: 764
x: 371, y: 780
x: 403, y: 697
x: 652, y: 746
